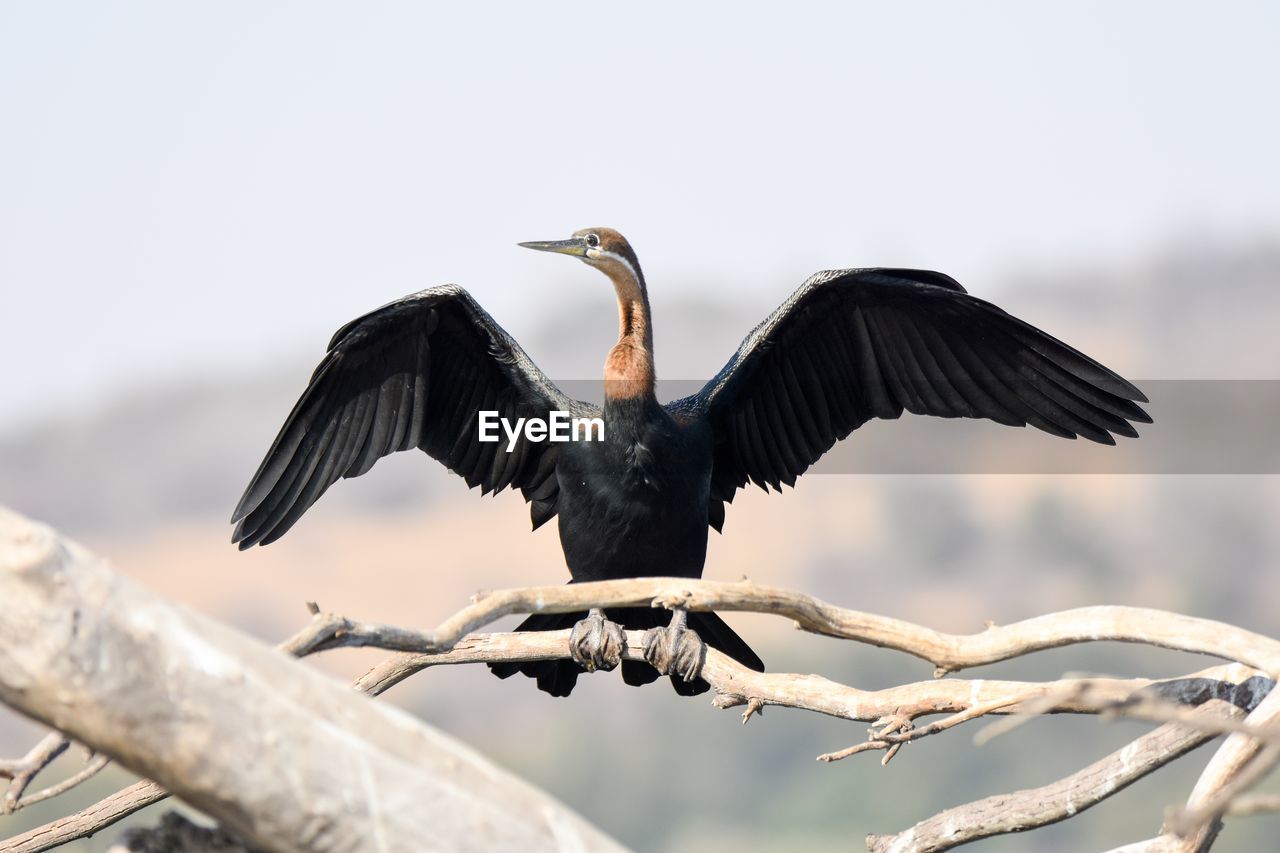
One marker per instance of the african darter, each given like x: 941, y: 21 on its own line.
x: 848, y: 346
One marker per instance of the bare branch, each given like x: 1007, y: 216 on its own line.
x: 898, y: 729
x: 25, y: 769
x: 1157, y: 704
x: 94, y: 655
x: 1237, y: 766
x: 1252, y: 804
x: 1036, y: 807
x: 98, y: 816
x: 91, y: 769
x: 138, y: 796
x: 1194, y: 828
x: 737, y: 685
x: 948, y: 652
x: 1223, y: 693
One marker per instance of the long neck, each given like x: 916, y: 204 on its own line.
x: 628, y: 371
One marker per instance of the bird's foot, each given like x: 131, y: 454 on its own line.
x: 596, y: 643
x: 675, y: 650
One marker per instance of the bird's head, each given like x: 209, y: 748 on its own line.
x: 602, y: 248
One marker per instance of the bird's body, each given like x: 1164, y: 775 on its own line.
x: 635, y: 504
x: 848, y: 346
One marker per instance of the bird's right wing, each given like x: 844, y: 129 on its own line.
x: 414, y: 373
x: 852, y: 345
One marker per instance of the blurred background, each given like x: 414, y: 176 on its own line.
x: 192, y: 198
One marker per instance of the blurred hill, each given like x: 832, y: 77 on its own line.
x: 151, y: 479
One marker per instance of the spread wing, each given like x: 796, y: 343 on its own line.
x: 414, y: 373
x: 851, y: 345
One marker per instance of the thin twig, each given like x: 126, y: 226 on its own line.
x: 91, y: 769
x: 897, y: 733
x: 24, y: 770
x: 1252, y: 804
x: 1146, y: 704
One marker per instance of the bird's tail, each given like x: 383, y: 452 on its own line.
x: 558, y: 677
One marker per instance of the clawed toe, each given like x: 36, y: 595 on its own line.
x: 675, y: 650
x: 596, y: 643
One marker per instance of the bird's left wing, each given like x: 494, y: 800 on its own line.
x: 414, y: 373
x: 851, y: 345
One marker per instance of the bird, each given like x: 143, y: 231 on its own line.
x: 846, y: 347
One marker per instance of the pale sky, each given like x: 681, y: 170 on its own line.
x: 187, y: 189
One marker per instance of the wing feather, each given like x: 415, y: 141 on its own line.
x: 782, y: 425
x: 414, y: 373
x: 851, y: 345
x: 798, y: 402
x: 869, y: 376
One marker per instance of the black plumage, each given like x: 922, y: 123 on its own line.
x: 414, y: 373
x: 852, y: 345
x: 846, y: 347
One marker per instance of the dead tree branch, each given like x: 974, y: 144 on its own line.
x: 1252, y: 804
x: 948, y: 652
x: 97, y: 657
x: 1192, y: 709
x: 25, y: 769
x: 1029, y: 809
x: 87, y: 821
x: 1237, y: 766
x: 1171, y: 701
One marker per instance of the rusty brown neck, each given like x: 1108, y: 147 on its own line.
x: 628, y: 371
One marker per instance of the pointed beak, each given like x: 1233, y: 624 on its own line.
x: 576, y: 246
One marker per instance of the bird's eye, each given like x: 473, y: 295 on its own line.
x: 593, y: 240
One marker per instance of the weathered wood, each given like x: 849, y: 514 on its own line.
x: 948, y: 652
x: 1019, y: 811
x: 1179, y: 703
x: 736, y: 685
x: 87, y: 821
x: 280, y: 754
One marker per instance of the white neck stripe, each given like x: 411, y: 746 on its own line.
x: 626, y: 263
